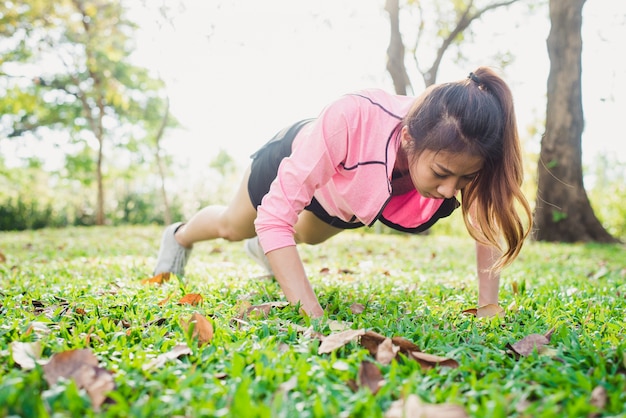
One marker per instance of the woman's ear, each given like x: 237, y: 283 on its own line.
x: 406, y: 138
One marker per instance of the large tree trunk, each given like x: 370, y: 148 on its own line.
x: 563, y: 212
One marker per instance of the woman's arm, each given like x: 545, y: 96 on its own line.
x: 488, y: 281
x: 289, y: 272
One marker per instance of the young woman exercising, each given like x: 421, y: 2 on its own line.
x: 373, y: 156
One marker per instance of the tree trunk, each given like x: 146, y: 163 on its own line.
x: 563, y: 212
x: 395, y: 50
x: 100, y: 197
x: 167, y: 212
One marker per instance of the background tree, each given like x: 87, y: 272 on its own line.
x: 451, y: 22
x: 563, y: 211
x: 67, y: 69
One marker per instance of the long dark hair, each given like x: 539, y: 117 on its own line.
x: 476, y: 116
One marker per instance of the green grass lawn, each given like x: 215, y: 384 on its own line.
x: 82, y: 288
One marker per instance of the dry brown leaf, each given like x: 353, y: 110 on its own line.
x: 259, y: 311
x: 3, y: 258
x: 429, y: 361
x: 357, y: 308
x: 528, y: 344
x: 202, y: 328
x: 66, y: 363
x: 549, y: 333
x: 191, y: 299
x: 598, y: 399
x: 387, y: 351
x: 405, y: 345
x: 82, y: 367
x: 26, y: 355
x: 370, y: 377
x: 371, y: 340
x: 161, y: 359
x: 412, y: 407
x: 486, y: 311
x: 158, y: 279
x: 334, y: 341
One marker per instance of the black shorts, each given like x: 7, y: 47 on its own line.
x: 264, y: 168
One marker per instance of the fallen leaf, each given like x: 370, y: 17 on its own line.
x: 371, y: 340
x: 26, y: 355
x: 412, y: 407
x: 82, y: 367
x: 3, y: 258
x: 598, y: 399
x: 429, y: 361
x: 334, y: 341
x: 160, y: 360
x: 202, y: 328
x: 158, y: 279
x: 370, y: 377
x: 549, y: 333
x: 387, y: 351
x: 528, y: 344
x: 65, y: 364
x: 357, y: 308
x: 191, y: 299
x: 259, y: 311
x: 405, y: 345
x: 486, y: 311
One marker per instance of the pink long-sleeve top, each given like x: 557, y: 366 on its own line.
x: 345, y: 159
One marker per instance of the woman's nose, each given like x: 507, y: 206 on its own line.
x: 447, y: 188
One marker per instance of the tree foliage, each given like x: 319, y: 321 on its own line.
x: 67, y: 73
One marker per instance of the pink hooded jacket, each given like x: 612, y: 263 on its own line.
x: 345, y: 159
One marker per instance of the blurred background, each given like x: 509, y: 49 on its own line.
x: 129, y: 111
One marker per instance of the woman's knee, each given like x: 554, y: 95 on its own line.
x: 235, y: 229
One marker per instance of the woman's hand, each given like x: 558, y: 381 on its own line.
x: 488, y: 281
x: 291, y: 277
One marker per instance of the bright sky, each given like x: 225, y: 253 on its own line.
x: 240, y: 71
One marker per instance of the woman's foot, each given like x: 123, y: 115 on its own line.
x: 172, y: 256
x: 254, y: 250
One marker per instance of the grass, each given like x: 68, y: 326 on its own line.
x: 84, y: 286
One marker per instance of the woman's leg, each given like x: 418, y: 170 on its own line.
x: 234, y: 222
x: 312, y: 230
x: 309, y: 230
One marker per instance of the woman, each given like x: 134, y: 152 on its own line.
x: 375, y: 156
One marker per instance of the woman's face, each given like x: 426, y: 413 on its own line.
x: 441, y: 174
